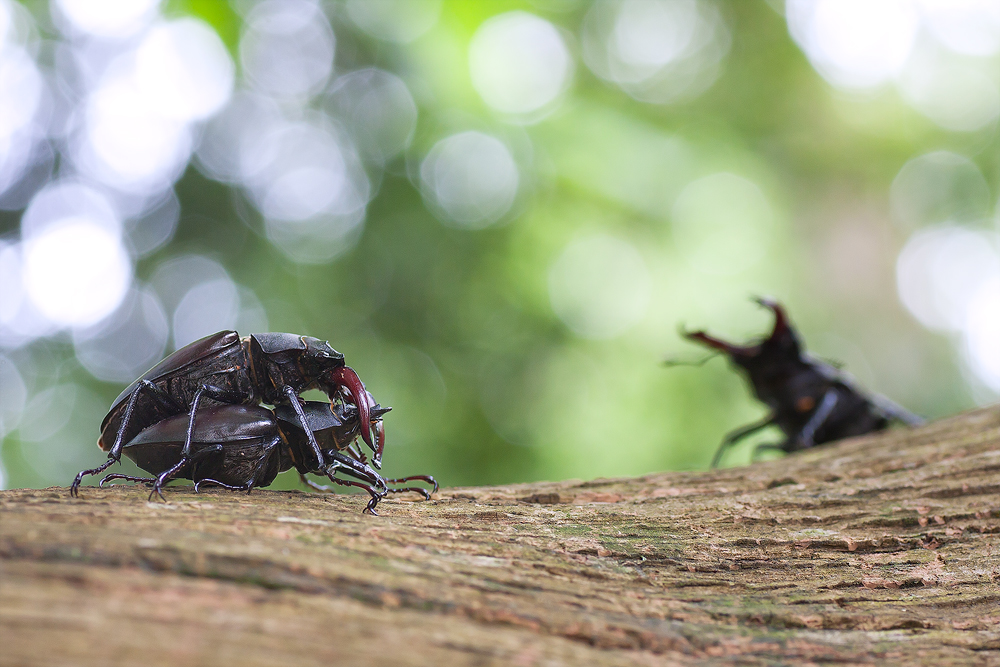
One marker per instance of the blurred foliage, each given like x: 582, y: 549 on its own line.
x: 455, y: 328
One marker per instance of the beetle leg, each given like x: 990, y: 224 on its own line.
x: 897, y: 412
x: 107, y: 478
x: 415, y: 489
x: 186, y: 455
x: 806, y: 437
x: 296, y: 404
x: 164, y: 477
x: 375, y: 495
x: 115, y: 454
x: 313, y: 485
x: 356, y: 453
x: 204, y: 390
x: 738, y: 435
x: 208, y: 480
x: 269, y: 450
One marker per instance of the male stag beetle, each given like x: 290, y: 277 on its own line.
x: 271, y: 368
x: 810, y: 401
x: 241, y: 447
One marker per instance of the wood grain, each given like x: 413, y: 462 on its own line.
x: 880, y: 550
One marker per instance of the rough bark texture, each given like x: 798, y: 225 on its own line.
x: 879, y: 550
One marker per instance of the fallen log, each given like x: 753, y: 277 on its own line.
x: 878, y: 550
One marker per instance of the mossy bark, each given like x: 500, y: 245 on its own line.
x: 880, y: 550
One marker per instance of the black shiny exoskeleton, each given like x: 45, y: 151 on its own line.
x: 810, y: 401
x: 272, y: 368
x: 245, y: 446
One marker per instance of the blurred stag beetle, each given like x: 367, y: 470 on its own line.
x: 810, y: 401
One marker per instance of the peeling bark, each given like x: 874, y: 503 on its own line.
x: 878, y: 550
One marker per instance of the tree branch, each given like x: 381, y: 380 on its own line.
x: 875, y: 550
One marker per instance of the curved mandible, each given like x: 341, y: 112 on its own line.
x: 780, y: 317
x: 713, y: 342
x: 345, y: 376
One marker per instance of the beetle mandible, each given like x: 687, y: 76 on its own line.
x: 271, y: 368
x: 241, y: 447
x: 810, y: 401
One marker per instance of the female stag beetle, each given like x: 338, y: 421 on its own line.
x: 271, y: 368
x: 810, y: 401
x: 241, y: 447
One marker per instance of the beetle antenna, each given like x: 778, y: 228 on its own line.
x: 672, y: 362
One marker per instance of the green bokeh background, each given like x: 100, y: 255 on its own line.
x: 454, y: 328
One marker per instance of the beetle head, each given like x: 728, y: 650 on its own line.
x: 334, y: 425
x: 318, y: 357
x: 781, y: 345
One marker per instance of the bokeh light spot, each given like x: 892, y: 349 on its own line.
x: 723, y: 224
x: 205, y: 309
x: 660, y: 51
x: 956, y: 93
x: 288, y: 48
x: 971, y: 27
x: 378, y: 109
x: 127, y: 343
x: 518, y: 62
x: 76, y: 271
x: 939, y: 187
x: 471, y: 178
x: 394, y: 20
x: 114, y: 19
x: 599, y: 286
x: 855, y: 43
x: 184, y: 70
x: 939, y: 271
x: 13, y: 395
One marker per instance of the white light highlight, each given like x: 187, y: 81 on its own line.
x: 205, y: 309
x: 66, y: 199
x: 940, y: 270
x: 76, y: 271
x: 470, y: 178
x: 855, y: 43
x: 599, y: 287
x: 982, y: 331
x: 287, y: 49
x: 21, y: 89
x: 184, y: 70
x: 970, y: 27
x: 126, y: 143
x: 230, y: 145
x: 518, y: 62
x: 378, y: 110
x: 108, y: 18
x: 127, y: 343
x: 660, y: 51
x: 652, y: 34
x: 959, y: 94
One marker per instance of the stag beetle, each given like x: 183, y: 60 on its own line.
x: 271, y: 368
x: 810, y: 401
x: 240, y: 447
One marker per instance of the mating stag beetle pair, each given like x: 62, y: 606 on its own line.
x: 810, y: 401
x: 167, y: 419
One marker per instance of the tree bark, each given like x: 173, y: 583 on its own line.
x: 877, y: 550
